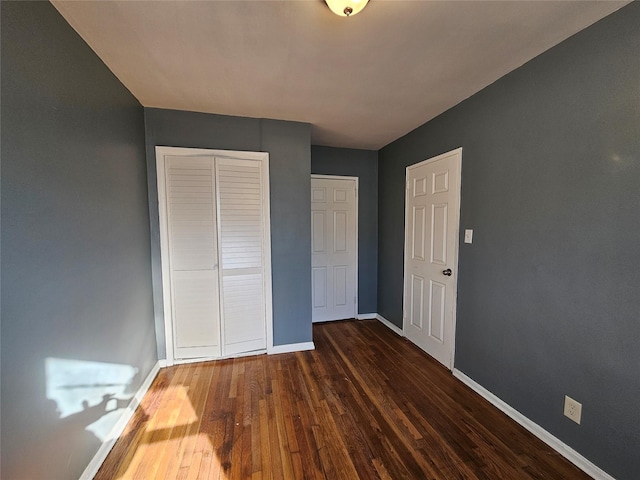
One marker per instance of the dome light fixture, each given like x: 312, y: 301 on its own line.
x: 346, y: 8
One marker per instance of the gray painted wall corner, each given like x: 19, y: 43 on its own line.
x: 289, y: 147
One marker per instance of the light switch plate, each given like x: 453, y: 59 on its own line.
x: 468, y: 236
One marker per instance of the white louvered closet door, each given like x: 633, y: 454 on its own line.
x: 215, y: 252
x: 241, y: 224
x: 193, y: 256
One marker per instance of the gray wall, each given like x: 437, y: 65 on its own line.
x: 548, y: 299
x: 364, y: 165
x: 75, y: 241
x: 288, y: 144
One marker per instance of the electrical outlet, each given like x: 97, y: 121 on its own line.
x: 572, y: 409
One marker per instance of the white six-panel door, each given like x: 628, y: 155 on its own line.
x: 431, y: 254
x: 333, y: 247
x: 215, y: 244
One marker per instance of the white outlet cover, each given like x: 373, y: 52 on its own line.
x: 468, y: 235
x: 572, y: 409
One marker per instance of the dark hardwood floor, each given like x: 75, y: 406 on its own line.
x: 365, y: 404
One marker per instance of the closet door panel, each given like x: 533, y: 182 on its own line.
x: 243, y: 313
x: 192, y: 231
x: 241, y: 224
x: 196, y: 307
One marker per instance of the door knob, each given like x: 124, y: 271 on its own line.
x: 447, y: 272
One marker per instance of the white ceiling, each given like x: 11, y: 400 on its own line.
x: 361, y: 82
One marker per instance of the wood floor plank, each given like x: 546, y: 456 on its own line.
x: 281, y: 429
x: 151, y: 447
x: 124, y: 449
x: 189, y: 455
x: 384, y: 409
x: 265, y: 445
x: 366, y: 404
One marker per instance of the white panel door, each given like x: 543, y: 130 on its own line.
x: 241, y: 199
x: 333, y: 248
x: 431, y: 254
x: 193, y: 256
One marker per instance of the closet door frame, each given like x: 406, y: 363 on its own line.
x: 263, y: 157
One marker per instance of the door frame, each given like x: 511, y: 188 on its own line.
x: 263, y: 157
x: 356, y: 180
x: 458, y: 158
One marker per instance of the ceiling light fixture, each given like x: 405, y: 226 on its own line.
x: 346, y: 8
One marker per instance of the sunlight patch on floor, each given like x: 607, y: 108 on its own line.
x: 170, y: 444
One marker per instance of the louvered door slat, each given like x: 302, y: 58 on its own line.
x: 242, y: 256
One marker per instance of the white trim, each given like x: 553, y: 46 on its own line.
x: 263, y: 157
x: 268, y: 286
x: 355, y: 286
x: 291, y: 347
x: 184, y: 361
x: 558, y: 445
x: 357, y: 182
x: 115, y: 432
x: 389, y: 325
x: 164, y: 256
x: 457, y: 153
x: 366, y: 316
x: 206, y: 152
x: 334, y: 177
x: 325, y: 320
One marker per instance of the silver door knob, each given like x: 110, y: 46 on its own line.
x: 447, y: 272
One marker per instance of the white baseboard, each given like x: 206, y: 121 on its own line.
x: 366, y: 316
x: 291, y: 347
x: 558, y: 445
x: 390, y: 325
x: 185, y: 361
x: 101, y: 455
